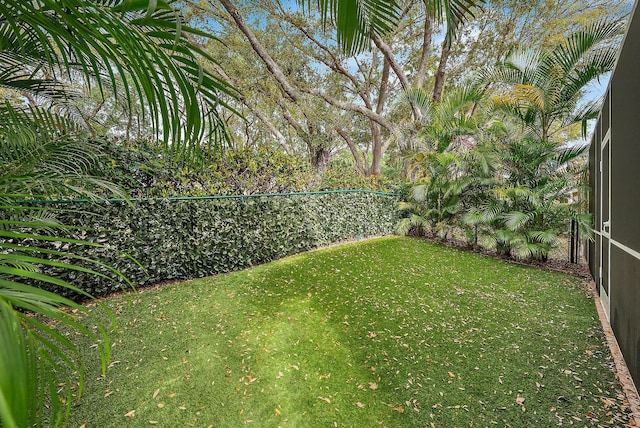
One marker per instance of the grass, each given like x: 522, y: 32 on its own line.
x: 388, y: 332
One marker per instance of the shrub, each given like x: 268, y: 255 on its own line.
x: 143, y: 170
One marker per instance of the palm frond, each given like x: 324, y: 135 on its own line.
x: 516, y: 220
x: 570, y: 53
x: 566, y: 155
x: 585, y: 225
x: 422, y: 100
x: 356, y: 21
x: 530, y: 250
x: 453, y: 13
x: 139, y: 47
x: 544, y: 237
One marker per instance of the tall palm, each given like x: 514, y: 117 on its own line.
x: 132, y: 50
x: 543, y: 89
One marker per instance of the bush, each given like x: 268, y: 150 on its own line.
x: 143, y: 170
x: 186, y: 238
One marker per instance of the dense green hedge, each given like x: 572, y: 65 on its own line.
x: 186, y: 238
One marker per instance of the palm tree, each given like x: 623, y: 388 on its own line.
x: 527, y: 208
x: 435, y: 202
x: 542, y: 90
x: 132, y: 50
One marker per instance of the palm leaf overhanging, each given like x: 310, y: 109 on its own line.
x: 50, y: 53
x: 137, y: 49
x: 357, y: 21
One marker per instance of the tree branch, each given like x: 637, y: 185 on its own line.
x: 444, y: 57
x: 370, y: 114
x: 354, y: 150
x: 335, y: 63
x: 395, y: 65
x: 286, y: 87
x: 384, y: 85
x: 256, y: 111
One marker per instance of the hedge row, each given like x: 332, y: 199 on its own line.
x: 178, y: 239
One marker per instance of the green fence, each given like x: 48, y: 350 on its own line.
x: 180, y: 238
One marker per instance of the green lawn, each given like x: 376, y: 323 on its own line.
x: 387, y: 332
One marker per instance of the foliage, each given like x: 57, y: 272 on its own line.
x: 341, y: 175
x: 435, y: 203
x: 388, y: 332
x: 518, y: 174
x: 512, y: 196
x: 177, y: 239
x: 51, y: 52
x: 308, y: 70
x: 376, y: 18
x: 446, y: 122
x: 542, y: 89
x: 138, y: 51
x: 143, y: 169
x: 531, y: 205
x: 36, y: 361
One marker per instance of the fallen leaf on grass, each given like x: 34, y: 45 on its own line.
x: 155, y: 394
x: 359, y: 404
x: 278, y: 412
x: 373, y: 385
x: 520, y: 400
x: 130, y: 414
x: 325, y: 399
x: 608, y: 402
x: 171, y: 395
x: 398, y: 409
x: 153, y: 422
x: 160, y: 405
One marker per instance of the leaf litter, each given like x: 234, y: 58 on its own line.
x: 393, y: 321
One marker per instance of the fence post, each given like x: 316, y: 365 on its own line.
x: 571, y: 242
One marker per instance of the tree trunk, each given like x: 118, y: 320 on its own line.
x: 442, y: 66
x: 426, y: 51
x: 319, y: 157
x: 376, y: 150
x: 354, y: 151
